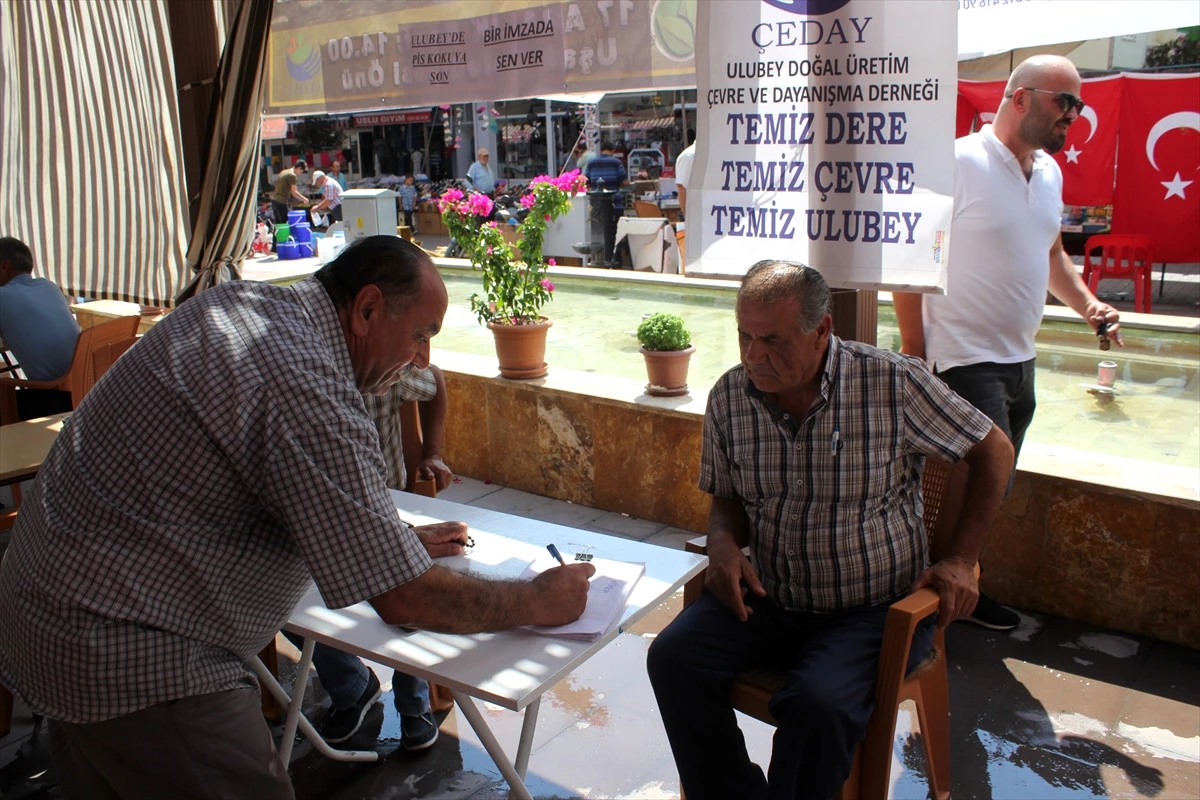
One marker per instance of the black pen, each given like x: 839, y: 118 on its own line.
x: 554, y: 552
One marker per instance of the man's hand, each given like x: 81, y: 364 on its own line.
x: 954, y: 579
x: 728, y: 569
x: 443, y: 538
x: 561, y: 594
x: 434, y: 469
x: 1098, y: 312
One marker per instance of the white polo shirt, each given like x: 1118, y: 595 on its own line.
x: 999, y: 270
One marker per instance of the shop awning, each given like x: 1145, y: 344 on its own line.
x: 641, y: 124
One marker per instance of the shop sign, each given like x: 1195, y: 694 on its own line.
x: 392, y: 118
x: 826, y: 136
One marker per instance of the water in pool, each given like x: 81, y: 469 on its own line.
x: 1153, y: 415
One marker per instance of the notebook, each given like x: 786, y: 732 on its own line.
x: 609, y: 591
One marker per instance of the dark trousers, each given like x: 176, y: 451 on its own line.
x: 279, y: 211
x: 408, y: 219
x: 823, y: 709
x: 1005, y: 392
x: 209, y: 746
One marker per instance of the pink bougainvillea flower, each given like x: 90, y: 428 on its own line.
x: 479, y: 205
x: 552, y: 263
x: 547, y: 285
x: 527, y: 201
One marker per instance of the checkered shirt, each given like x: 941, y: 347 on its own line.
x: 332, y: 192
x: 413, y: 384
x: 220, y: 466
x: 834, y: 499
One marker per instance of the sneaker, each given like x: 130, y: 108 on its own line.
x: 342, y: 723
x: 990, y: 614
x: 417, y: 733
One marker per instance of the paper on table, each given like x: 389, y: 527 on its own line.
x: 609, y: 590
x: 491, y: 558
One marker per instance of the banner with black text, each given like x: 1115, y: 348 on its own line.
x: 826, y: 135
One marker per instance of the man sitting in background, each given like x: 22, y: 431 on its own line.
x: 352, y: 686
x: 37, y: 325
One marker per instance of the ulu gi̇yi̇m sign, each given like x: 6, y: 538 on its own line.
x: 826, y: 135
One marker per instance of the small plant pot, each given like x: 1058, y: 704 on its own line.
x: 667, y: 371
x: 521, y: 349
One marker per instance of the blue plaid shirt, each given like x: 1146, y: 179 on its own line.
x: 609, y: 169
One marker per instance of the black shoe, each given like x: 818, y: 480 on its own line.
x: 342, y: 723
x: 990, y: 614
x: 417, y: 733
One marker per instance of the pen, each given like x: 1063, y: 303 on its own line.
x: 833, y: 443
x: 554, y: 552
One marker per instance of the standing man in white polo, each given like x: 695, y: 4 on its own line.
x: 1007, y: 252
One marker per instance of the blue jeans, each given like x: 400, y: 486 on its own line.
x: 1005, y: 392
x: 823, y: 709
x: 344, y: 677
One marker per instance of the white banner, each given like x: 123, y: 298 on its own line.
x: 827, y: 138
x: 987, y: 27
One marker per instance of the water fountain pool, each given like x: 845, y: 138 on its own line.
x: 1153, y: 415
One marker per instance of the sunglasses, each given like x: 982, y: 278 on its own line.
x: 1066, y: 101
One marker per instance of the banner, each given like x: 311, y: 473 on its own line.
x: 1089, y: 158
x: 1158, y: 185
x: 984, y: 98
x: 351, y: 56
x: 826, y: 135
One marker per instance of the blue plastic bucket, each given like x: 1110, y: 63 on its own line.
x: 305, y: 249
x: 287, y: 250
x: 295, y: 217
x: 303, y: 232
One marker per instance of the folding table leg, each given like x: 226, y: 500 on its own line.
x: 515, y: 781
x: 296, y: 719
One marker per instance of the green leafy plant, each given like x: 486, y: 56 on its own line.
x: 514, y: 289
x: 663, y: 331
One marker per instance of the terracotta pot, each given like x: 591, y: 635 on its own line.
x: 521, y: 348
x: 667, y: 370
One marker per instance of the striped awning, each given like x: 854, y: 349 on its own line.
x: 91, y: 176
x: 650, y: 123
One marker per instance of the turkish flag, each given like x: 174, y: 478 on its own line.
x: 1158, y: 183
x: 983, y: 96
x: 1089, y: 156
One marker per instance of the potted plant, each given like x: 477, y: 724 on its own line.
x: 515, y: 287
x: 667, y: 348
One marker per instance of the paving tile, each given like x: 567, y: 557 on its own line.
x: 674, y: 538
x: 562, y: 512
x: 511, y: 501
x: 624, y: 525
x: 467, y: 490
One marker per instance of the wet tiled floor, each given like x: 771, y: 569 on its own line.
x: 1055, y: 709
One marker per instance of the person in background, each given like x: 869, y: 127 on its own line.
x: 683, y: 175
x: 408, y: 199
x: 1008, y: 252
x: 606, y: 171
x: 479, y: 175
x: 352, y: 686
x: 335, y: 172
x: 166, y: 540
x: 813, y: 450
x: 37, y: 326
x: 331, y: 200
x: 286, y: 192
x: 585, y: 156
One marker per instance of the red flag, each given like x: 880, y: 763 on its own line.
x: 983, y: 96
x: 1089, y: 156
x: 1158, y: 183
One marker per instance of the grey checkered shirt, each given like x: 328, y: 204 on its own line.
x: 836, y: 520
x: 413, y: 384
x: 220, y: 466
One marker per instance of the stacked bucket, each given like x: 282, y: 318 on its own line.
x: 294, y: 239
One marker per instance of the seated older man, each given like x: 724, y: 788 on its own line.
x: 813, y: 451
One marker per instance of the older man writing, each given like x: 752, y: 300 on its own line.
x: 222, y: 464
x: 813, y: 450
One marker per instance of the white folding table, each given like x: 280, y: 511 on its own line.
x: 511, y: 669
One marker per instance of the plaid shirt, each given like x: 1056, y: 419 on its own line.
x: 332, y: 192
x: 215, y: 470
x: 414, y: 384
x: 834, y: 499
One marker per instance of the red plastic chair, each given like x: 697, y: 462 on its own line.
x: 1122, y: 256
